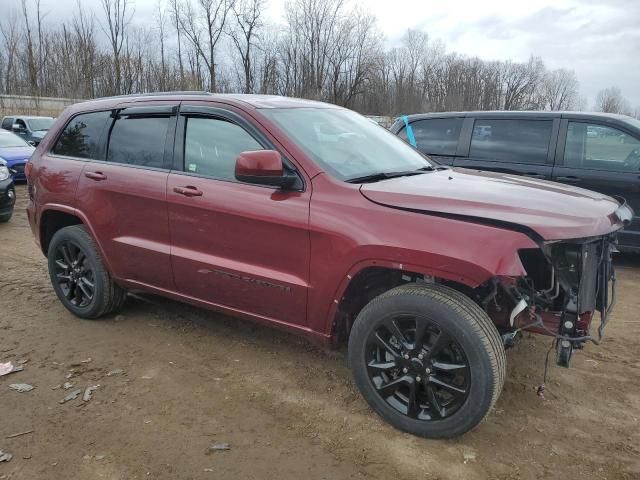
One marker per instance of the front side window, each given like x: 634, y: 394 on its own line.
x: 346, y: 144
x: 598, y: 147
x: 81, y: 137
x: 436, y: 136
x: 513, y: 141
x: 137, y: 140
x: 211, y: 147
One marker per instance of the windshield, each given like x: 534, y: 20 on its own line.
x: 11, y: 140
x: 36, y: 124
x: 346, y: 144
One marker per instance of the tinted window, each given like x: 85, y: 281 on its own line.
x: 515, y: 141
x: 138, y: 141
x: 81, y: 136
x: 598, y: 147
x: 7, y: 123
x: 211, y: 147
x: 437, y: 136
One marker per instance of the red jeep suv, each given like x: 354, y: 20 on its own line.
x: 310, y: 217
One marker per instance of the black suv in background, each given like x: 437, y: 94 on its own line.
x: 596, y: 151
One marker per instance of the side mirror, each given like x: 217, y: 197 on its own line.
x: 17, y: 127
x: 263, y: 167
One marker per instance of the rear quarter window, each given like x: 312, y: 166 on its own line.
x: 436, y: 136
x: 81, y: 138
x: 7, y: 123
x: 513, y: 141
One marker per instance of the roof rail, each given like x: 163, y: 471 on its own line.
x: 156, y: 94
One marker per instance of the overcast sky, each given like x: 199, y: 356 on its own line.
x: 599, y: 39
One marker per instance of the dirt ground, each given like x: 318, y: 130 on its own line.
x: 288, y: 411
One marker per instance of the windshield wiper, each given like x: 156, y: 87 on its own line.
x: 376, y: 177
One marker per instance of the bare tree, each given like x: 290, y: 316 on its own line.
x: 324, y: 49
x: 560, y: 89
x: 176, y: 12
x: 244, y: 33
x: 203, y: 26
x: 117, y: 22
x: 610, y: 100
x: 161, y: 20
x: 30, y: 58
x: 10, y: 36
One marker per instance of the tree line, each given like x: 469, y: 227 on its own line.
x: 328, y: 50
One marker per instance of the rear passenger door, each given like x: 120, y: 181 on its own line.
x: 436, y: 137
x: 123, y: 193
x: 605, y: 159
x: 519, y: 146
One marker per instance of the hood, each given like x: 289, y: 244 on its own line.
x: 39, y: 134
x: 552, y: 210
x: 16, y: 154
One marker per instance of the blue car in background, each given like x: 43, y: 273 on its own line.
x: 16, y: 153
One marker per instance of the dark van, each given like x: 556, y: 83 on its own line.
x: 596, y: 151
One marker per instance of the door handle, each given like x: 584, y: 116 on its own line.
x: 535, y: 175
x: 188, y: 191
x: 568, y: 179
x: 97, y: 176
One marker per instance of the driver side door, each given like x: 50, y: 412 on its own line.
x: 604, y: 159
x: 235, y: 245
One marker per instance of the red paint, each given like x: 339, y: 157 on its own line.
x: 261, y: 163
x: 286, y: 257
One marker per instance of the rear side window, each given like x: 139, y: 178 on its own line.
x: 436, y: 136
x: 514, y: 141
x: 211, y: 147
x: 81, y: 137
x: 597, y: 147
x: 7, y: 123
x: 136, y: 140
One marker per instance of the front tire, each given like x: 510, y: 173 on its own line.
x: 427, y: 359
x: 6, y: 217
x: 79, y: 277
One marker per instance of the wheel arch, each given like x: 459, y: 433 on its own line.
x: 52, y: 219
x: 370, y: 278
x: 55, y: 217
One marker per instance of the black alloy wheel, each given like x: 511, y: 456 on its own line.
x: 78, y: 274
x: 417, y: 368
x: 427, y: 359
x: 74, y: 274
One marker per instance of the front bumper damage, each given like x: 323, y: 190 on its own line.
x: 568, y: 283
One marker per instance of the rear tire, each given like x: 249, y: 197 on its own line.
x: 427, y: 359
x: 79, y: 277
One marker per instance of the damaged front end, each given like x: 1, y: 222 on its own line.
x: 567, y: 282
